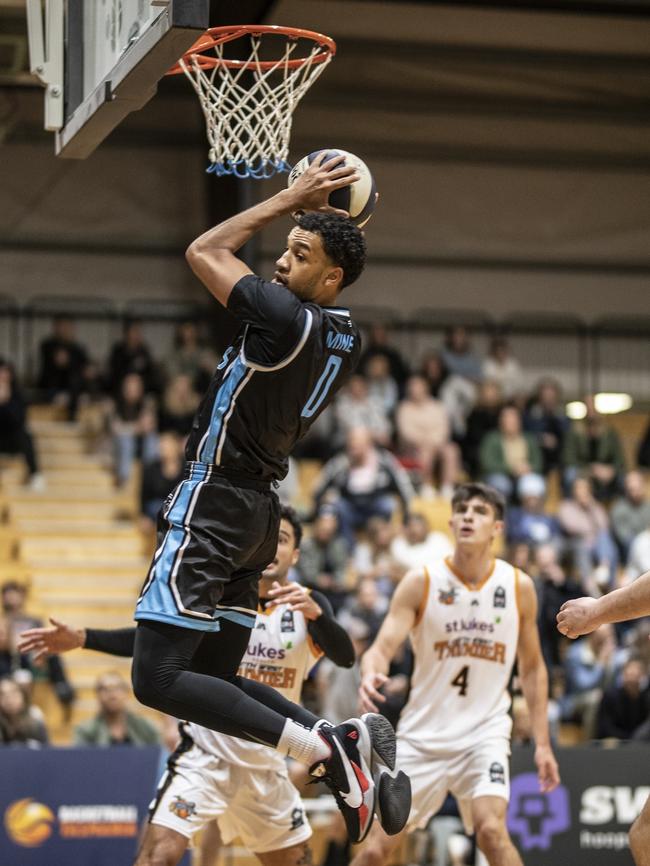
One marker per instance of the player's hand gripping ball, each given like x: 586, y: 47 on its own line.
x: 358, y: 198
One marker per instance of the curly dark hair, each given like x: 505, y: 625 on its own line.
x: 289, y: 514
x: 342, y: 241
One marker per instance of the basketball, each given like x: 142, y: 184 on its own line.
x: 358, y: 199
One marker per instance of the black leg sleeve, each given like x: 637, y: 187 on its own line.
x: 163, y: 678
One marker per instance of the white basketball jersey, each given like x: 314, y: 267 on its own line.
x: 465, y: 644
x: 280, y: 653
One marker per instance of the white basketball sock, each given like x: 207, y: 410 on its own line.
x: 302, y: 744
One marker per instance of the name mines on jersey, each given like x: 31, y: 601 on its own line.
x: 479, y: 648
x: 343, y: 342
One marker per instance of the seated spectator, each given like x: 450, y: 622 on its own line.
x: 591, y: 664
x: 586, y: 524
x: 190, y: 358
x: 133, y: 426
x: 62, y: 364
x: 630, y: 515
x: 366, y: 605
x: 319, y: 443
x: 373, y: 557
x: 501, y: 367
x: 457, y: 393
x: 625, y: 706
x: 483, y: 419
x: 554, y: 586
x: 417, y: 545
x: 593, y: 448
x: 638, y: 561
x: 378, y: 343
x: 507, y: 454
x: 355, y: 407
x: 324, y: 557
x: 528, y: 523
x: 160, y: 476
x: 114, y: 724
x: 131, y: 355
x: 50, y: 669
x: 178, y: 406
x: 19, y: 726
x: 362, y: 482
x: 545, y: 418
x: 15, y: 438
x: 424, y: 432
x: 10, y: 659
x: 381, y: 386
x: 458, y: 357
x: 520, y: 556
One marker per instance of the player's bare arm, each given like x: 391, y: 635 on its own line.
x: 396, y: 627
x: 583, y: 615
x: 534, y: 684
x: 212, y: 255
x: 48, y: 640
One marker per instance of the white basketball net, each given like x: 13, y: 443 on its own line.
x: 248, y: 122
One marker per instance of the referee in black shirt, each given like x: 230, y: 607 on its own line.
x: 218, y: 530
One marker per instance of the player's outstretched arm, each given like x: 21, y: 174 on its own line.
x: 61, y: 638
x: 402, y: 615
x: 583, y: 615
x: 212, y: 255
x: 534, y: 684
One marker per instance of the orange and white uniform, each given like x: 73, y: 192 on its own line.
x: 454, y: 732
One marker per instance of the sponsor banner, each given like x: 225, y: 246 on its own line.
x: 74, y: 806
x: 584, y: 822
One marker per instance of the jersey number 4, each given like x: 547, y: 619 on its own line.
x: 460, y: 681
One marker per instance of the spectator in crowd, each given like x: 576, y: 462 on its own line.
x: 178, y: 406
x: 483, y: 419
x: 528, y: 523
x: 382, y: 388
x: 131, y: 355
x: 355, y: 407
x: 114, y: 724
x: 324, y: 557
x: 62, y: 364
x: 50, y: 669
x: 15, y: 438
x: 417, y: 545
x: 639, y: 557
x: 424, y: 432
x: 362, y: 482
x: 554, y: 586
x: 19, y: 726
x: 10, y: 659
x: 625, y: 706
x: 506, y: 455
x: 458, y: 357
x: 591, y: 664
x: 593, y: 447
x: 643, y: 454
x: 630, y: 514
x: 190, y: 358
x: 133, y: 426
x: 319, y: 443
x: 501, y: 367
x: 160, y: 476
x: 379, y: 344
x: 519, y: 555
x: 586, y: 524
x: 545, y: 418
x: 366, y: 605
x: 456, y: 392
x: 373, y: 557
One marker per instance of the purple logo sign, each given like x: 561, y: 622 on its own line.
x: 537, y: 817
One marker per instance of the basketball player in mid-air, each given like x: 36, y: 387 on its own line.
x: 245, y: 786
x: 468, y: 618
x: 582, y: 616
x: 219, y: 528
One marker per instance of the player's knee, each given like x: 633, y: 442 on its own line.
x: 143, y: 682
x: 491, y: 835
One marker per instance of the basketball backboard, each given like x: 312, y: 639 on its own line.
x: 101, y: 59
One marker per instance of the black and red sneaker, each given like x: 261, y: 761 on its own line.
x: 347, y: 773
x: 393, y: 787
